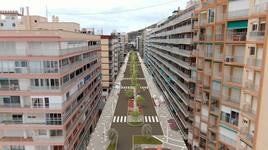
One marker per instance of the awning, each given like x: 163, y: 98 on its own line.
x: 241, y: 24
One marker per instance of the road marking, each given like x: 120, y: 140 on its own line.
x: 125, y: 118
x: 117, y: 119
x: 156, y: 118
x: 145, y: 118
x: 149, y: 118
x: 114, y: 119
x: 121, y: 118
x: 152, y: 118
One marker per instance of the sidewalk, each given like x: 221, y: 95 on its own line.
x: 99, y: 139
x: 171, y: 139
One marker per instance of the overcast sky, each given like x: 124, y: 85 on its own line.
x: 121, y: 15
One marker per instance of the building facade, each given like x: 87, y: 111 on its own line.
x: 50, y: 83
x: 169, y: 57
x: 107, y: 64
x: 231, y: 52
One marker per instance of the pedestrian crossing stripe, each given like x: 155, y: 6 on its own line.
x: 123, y: 119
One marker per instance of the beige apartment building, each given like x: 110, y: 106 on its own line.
x: 50, y: 83
x: 107, y: 64
x: 231, y: 91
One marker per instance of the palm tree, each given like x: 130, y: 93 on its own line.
x: 147, y: 130
x: 112, y: 135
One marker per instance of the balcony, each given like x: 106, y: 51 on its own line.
x: 219, y: 37
x: 252, y: 86
x: 227, y: 140
x: 256, y: 62
x: 233, y: 79
x: 259, y: 9
x: 236, y: 36
x: 215, y: 94
x: 234, y: 59
x: 218, y: 56
x: 249, y: 111
x: 232, y: 100
x: 238, y: 14
x: 256, y: 35
x: 246, y: 135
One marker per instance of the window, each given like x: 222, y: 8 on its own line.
x: 1, y: 24
x: 55, y: 132
x: 17, y: 118
x: 42, y: 132
x: 31, y: 117
x: 254, y: 27
x: 58, y: 148
x: 15, y: 147
x: 47, y: 102
x: 251, y: 50
x: 37, y: 102
x: 53, y: 119
x: 262, y: 26
x: 65, y: 78
x: 13, y: 25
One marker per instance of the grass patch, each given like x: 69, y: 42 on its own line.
x: 135, y: 123
x: 111, y: 147
x: 139, y: 139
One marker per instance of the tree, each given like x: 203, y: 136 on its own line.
x: 135, y: 113
x: 147, y: 130
x: 129, y: 93
x: 112, y: 135
x: 140, y: 100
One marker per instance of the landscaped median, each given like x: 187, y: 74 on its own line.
x: 135, y: 116
x: 141, y: 142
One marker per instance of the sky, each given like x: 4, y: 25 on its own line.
x: 106, y: 15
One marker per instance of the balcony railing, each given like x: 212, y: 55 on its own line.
x: 252, y: 86
x: 234, y: 59
x: 237, y: 36
x: 248, y: 109
x: 234, y: 79
x: 228, y: 140
x: 232, y: 99
x: 260, y: 8
x: 256, y: 35
x: 254, y: 62
x: 246, y: 135
x: 219, y: 37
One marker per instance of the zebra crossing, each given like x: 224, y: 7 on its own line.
x: 131, y: 78
x: 127, y: 87
x: 149, y: 119
x: 120, y: 119
x: 123, y: 119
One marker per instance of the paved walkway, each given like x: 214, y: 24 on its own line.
x: 171, y: 139
x: 99, y: 139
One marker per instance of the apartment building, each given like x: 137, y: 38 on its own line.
x: 119, y: 41
x: 50, y: 83
x: 231, y: 52
x: 107, y: 64
x: 169, y: 57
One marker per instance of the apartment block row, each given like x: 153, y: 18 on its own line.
x: 50, y: 83
x: 209, y: 61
